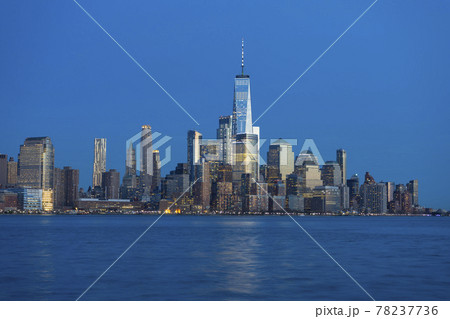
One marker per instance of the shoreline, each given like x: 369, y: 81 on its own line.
x: 157, y: 213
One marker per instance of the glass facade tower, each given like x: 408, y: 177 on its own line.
x: 341, y: 158
x: 224, y: 133
x: 36, y: 163
x: 242, y: 106
x: 242, y: 103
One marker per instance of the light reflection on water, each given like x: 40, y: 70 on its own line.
x: 240, y: 257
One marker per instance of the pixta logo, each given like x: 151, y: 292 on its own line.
x: 310, y: 147
x: 140, y: 147
x: 309, y: 150
x: 242, y: 152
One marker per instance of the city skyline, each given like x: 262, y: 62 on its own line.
x: 241, y: 125
x: 226, y: 174
x: 385, y: 159
x: 242, y: 140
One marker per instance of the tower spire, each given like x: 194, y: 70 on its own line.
x: 242, y: 64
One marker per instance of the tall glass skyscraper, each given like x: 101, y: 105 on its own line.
x: 341, y: 158
x: 281, y: 158
x: 129, y: 181
x: 36, y: 163
x: 242, y: 105
x: 130, y: 164
x: 146, y: 153
x: 413, y: 188
x: 224, y: 136
x: 194, y: 141
x: 246, y: 137
x: 156, y: 180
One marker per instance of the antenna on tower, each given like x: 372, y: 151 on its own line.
x: 242, y: 64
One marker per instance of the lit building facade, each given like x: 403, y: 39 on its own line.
x: 281, y: 157
x: 202, y: 189
x: 326, y: 199
x: 245, y: 150
x: 353, y: 185
x: 29, y: 199
x: 36, y: 163
x: 402, y: 201
x: 246, y: 155
x: 331, y: 174
x: 175, y: 183
x: 99, y: 161
x: 242, y: 103
x: 146, y: 157
x: 373, y: 196
x: 130, y: 165
x: 224, y: 136
x: 194, y: 141
x: 47, y: 200
x: 307, y: 168
x: 390, y: 188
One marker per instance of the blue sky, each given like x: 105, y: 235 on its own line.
x: 382, y: 92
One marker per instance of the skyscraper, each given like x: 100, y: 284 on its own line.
x: 413, y: 188
x: 193, y: 152
x: 129, y: 182
x: 59, y: 195
x: 202, y: 189
x: 307, y: 167
x: 130, y: 165
x: 306, y: 156
x: 224, y: 134
x: 71, y: 181
x: 12, y: 172
x: 246, y: 137
x: 174, y: 184
x: 66, y: 187
x: 156, y: 181
x: 326, y: 199
x: 331, y: 174
x: 402, y: 202
x: 390, y: 188
x: 210, y: 150
x: 146, y: 154
x: 242, y: 107
x: 111, y: 183
x: 310, y: 176
x: 373, y: 195
x: 3, y: 170
x: 99, y: 161
x: 245, y: 151
x: 341, y: 158
x: 36, y: 163
x: 281, y: 157
x: 353, y: 185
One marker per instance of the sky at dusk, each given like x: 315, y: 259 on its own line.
x: 382, y: 92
